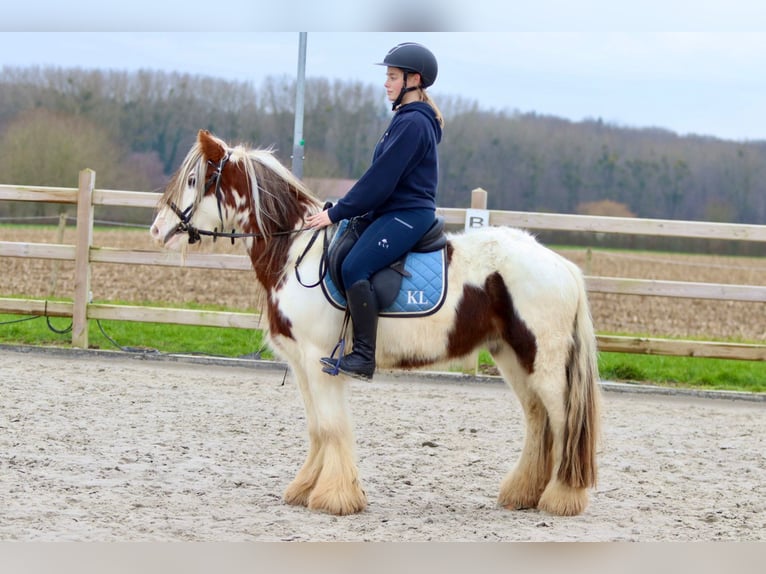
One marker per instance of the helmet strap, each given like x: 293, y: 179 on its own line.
x: 404, y: 90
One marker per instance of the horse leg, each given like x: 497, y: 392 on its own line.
x: 298, y: 491
x: 525, y: 483
x: 328, y: 480
x: 572, y: 398
x: 337, y: 489
x: 560, y: 497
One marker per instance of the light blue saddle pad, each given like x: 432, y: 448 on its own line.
x: 421, y: 294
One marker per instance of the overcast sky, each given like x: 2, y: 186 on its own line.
x: 709, y: 79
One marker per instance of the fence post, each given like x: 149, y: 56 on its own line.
x: 55, y: 267
x: 470, y: 364
x: 479, y: 198
x: 82, y: 259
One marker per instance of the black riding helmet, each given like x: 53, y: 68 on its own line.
x: 412, y: 57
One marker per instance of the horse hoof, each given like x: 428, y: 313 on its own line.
x: 518, y: 503
x: 296, y: 500
x: 298, y: 493
x: 338, y: 503
x: 561, y: 500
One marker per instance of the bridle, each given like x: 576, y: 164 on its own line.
x: 195, y: 234
x: 184, y: 225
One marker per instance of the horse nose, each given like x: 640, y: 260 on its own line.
x: 155, y: 231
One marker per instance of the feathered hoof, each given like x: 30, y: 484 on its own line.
x: 517, y: 502
x: 339, y: 502
x: 517, y: 492
x: 297, y: 493
x: 562, y: 500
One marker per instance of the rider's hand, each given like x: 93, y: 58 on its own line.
x: 318, y: 220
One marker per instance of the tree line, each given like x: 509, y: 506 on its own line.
x: 134, y: 128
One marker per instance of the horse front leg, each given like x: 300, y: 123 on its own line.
x: 337, y: 489
x: 328, y: 481
x: 298, y: 491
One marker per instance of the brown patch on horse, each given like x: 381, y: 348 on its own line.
x: 278, y: 323
x: 283, y: 216
x: 414, y: 363
x: 487, y: 314
x: 281, y: 208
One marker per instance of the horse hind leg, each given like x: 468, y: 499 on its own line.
x: 572, y: 402
x: 561, y: 496
x: 525, y: 483
x: 556, y: 378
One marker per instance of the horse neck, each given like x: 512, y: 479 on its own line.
x: 270, y: 260
x: 273, y: 249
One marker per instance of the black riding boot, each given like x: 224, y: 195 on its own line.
x: 363, y: 307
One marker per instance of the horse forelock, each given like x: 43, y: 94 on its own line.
x: 191, y: 164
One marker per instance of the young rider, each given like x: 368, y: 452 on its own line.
x: 396, y: 195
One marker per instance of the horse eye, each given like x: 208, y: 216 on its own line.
x: 192, y: 181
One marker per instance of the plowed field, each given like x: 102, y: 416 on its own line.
x: 656, y: 316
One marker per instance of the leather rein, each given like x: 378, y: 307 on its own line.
x: 195, y: 234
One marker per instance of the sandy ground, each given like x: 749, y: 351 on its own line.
x: 109, y: 447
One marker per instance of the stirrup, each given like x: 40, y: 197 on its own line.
x: 332, y: 365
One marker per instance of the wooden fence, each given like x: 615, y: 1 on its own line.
x: 83, y: 253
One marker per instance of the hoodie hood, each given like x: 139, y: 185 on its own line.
x: 427, y: 111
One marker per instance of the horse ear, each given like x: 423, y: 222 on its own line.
x: 212, y: 148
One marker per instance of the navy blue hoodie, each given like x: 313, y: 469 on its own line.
x: 404, y: 169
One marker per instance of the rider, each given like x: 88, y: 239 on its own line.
x: 396, y: 195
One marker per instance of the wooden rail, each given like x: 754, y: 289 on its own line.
x: 83, y: 253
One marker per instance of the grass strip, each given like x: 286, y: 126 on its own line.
x: 689, y: 372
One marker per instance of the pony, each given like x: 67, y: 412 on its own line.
x: 507, y: 293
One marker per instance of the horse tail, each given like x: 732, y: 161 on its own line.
x: 578, y: 467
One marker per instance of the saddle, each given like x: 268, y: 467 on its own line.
x: 387, y: 282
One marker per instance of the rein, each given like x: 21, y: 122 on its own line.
x: 323, y: 267
x: 195, y: 234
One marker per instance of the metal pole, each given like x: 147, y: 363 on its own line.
x: 298, y: 146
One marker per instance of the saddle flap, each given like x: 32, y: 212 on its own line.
x: 349, y: 231
x: 346, y: 235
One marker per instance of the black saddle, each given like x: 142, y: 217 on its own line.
x: 387, y: 281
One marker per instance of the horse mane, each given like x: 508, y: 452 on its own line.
x: 280, y: 199
x: 276, y: 199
